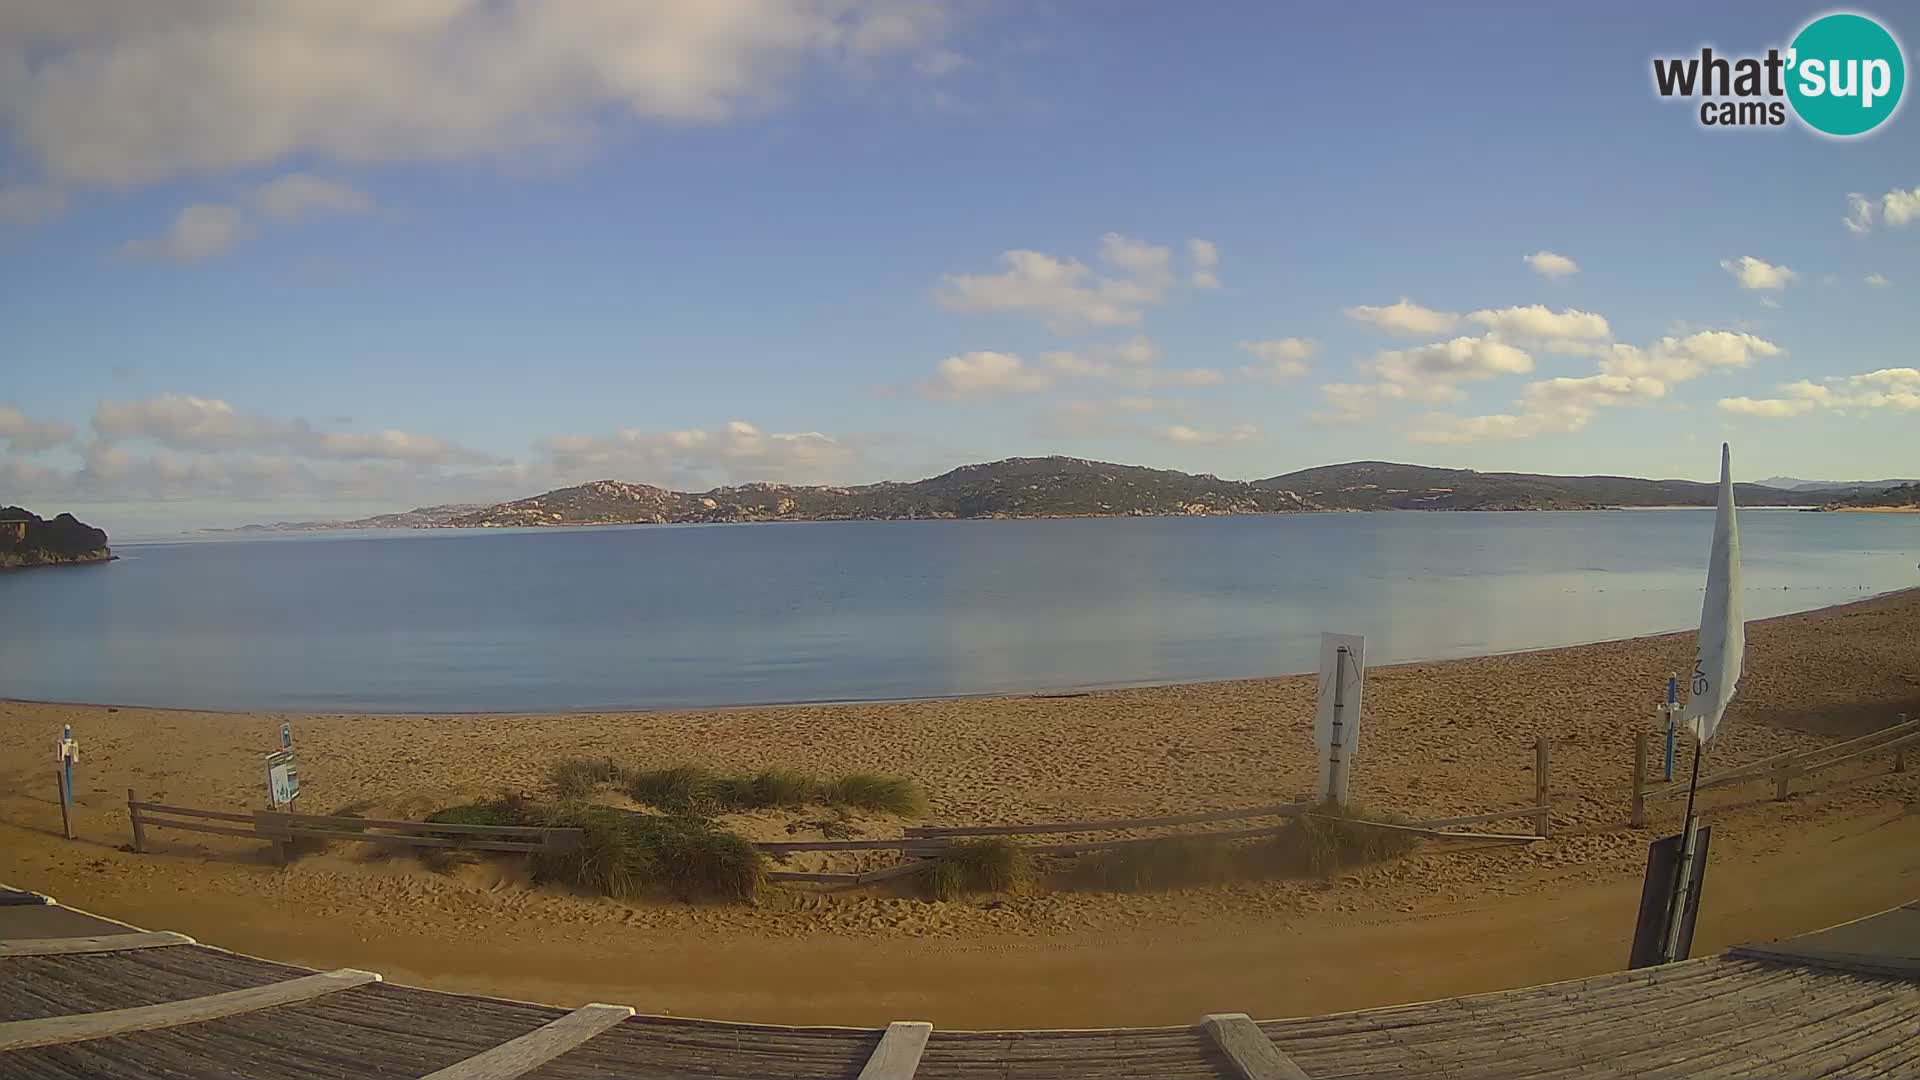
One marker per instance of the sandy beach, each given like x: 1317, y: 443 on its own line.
x: 1440, y: 738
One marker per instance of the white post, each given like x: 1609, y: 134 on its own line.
x: 1336, y: 768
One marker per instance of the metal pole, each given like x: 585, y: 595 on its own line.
x: 1336, y: 771
x: 1673, y: 710
x: 66, y: 823
x: 1676, y: 912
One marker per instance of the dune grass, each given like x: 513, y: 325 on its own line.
x: 625, y: 854
x: 1172, y: 863
x: 975, y: 866
x: 1331, y: 838
x: 573, y: 778
x: 695, y: 790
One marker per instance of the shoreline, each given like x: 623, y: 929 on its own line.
x: 1040, y: 694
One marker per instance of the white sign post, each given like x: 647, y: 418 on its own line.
x: 1336, y: 718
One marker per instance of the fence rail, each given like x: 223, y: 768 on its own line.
x: 1780, y: 768
x: 281, y: 829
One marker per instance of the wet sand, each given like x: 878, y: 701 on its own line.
x: 1439, y: 738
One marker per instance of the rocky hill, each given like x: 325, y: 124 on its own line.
x: 1385, y: 485
x: 26, y: 539
x: 1902, y: 497
x: 1016, y: 487
x: 420, y: 517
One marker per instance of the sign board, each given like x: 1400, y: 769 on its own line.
x: 1343, y: 676
x: 286, y: 736
x: 1656, y: 897
x: 283, y: 778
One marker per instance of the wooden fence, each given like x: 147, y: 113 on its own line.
x: 1781, y: 768
x: 282, y: 829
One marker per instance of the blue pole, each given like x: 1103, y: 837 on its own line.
x: 66, y: 736
x: 1673, y: 711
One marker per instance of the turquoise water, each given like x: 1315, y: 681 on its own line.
x: 662, y: 616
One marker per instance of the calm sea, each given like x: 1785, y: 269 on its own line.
x: 651, y: 616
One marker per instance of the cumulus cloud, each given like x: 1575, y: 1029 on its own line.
x: 982, y: 375
x: 1279, y: 359
x: 1878, y: 281
x: 1405, y: 318
x: 121, y: 94
x: 1752, y: 273
x: 1432, y: 372
x: 1347, y: 404
x: 1204, y: 257
x: 189, y: 423
x: 296, y: 195
x: 1678, y: 359
x: 1549, y: 265
x: 735, y: 452
x: 1900, y: 207
x: 1887, y: 388
x: 25, y: 435
x: 1183, y: 435
x: 1859, y: 217
x: 1067, y: 294
x: 1541, y: 323
x: 1129, y: 363
x: 200, y: 231
x: 30, y: 204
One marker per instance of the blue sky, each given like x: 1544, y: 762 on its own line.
x: 299, y: 261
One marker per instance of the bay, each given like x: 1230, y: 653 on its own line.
x: 696, y: 616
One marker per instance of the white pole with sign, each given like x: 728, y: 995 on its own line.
x: 1336, y: 718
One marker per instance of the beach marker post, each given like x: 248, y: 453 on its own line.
x: 1673, y: 713
x: 1336, y: 727
x: 67, y: 752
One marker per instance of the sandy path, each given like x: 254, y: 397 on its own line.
x: 1439, y: 738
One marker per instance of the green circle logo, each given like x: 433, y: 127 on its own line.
x: 1845, y: 74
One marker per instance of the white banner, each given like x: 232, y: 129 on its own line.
x: 1723, y: 628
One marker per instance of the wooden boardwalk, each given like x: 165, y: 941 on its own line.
x: 82, y: 997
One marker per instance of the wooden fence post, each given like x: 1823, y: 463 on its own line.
x: 139, y: 830
x: 1782, y: 775
x: 1543, y: 821
x: 1637, y: 814
x: 1900, y: 752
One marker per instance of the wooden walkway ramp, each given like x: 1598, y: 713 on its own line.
x: 82, y: 997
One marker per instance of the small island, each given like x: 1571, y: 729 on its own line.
x: 26, y: 539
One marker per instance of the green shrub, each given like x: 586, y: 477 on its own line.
x: 572, y: 778
x: 873, y: 791
x: 681, y: 789
x: 783, y: 788
x: 492, y: 812
x: 622, y: 854
x: 1171, y: 863
x: 1332, y: 837
x: 990, y: 864
x: 607, y: 859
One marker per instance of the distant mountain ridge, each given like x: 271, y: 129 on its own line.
x: 1794, y: 483
x: 1077, y: 487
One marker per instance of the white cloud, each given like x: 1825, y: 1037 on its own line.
x: 1770, y: 407
x: 189, y: 423
x: 1183, y: 435
x: 1887, y: 388
x: 939, y: 63
x: 1129, y: 363
x: 1205, y: 257
x: 28, y: 204
x: 296, y: 194
x: 23, y: 434
x: 1878, y: 281
x: 1065, y: 293
x: 1754, y: 273
x: 1127, y: 403
x: 1347, y: 404
x: 734, y: 453
x: 982, y: 375
x: 1538, y: 322
x: 1280, y: 359
x: 1429, y: 372
x: 1859, y: 217
x: 1900, y: 207
x: 120, y: 94
x: 1678, y: 359
x: 1405, y: 318
x: 200, y: 231
x: 1551, y: 266
x: 1440, y: 429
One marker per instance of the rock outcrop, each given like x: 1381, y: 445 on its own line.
x: 27, y: 539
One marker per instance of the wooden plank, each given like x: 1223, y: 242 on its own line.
x: 1426, y: 831
x: 1108, y: 824
x: 903, y: 870
x: 1253, y: 1055
x: 1637, y: 810
x: 1136, y: 841
x: 1542, y: 792
x: 1479, y: 819
x: 1896, y: 745
x: 100, y: 943
x: 276, y: 833
x: 186, y: 811
x: 898, y: 1055
x: 54, y: 1030
x: 1753, y: 770
x: 782, y: 847
x: 325, y: 822
x: 819, y: 877
x: 188, y: 826
x: 537, y: 1047
x: 133, y: 816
